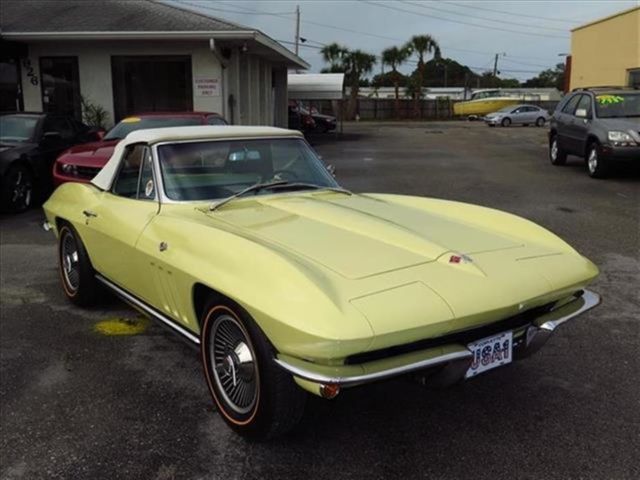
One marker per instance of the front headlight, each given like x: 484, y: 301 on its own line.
x: 69, y: 169
x: 620, y: 137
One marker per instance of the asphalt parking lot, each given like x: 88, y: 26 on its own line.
x: 78, y: 404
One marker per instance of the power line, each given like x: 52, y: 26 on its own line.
x: 357, y: 32
x: 482, y: 18
x: 519, y: 15
x: 461, y: 22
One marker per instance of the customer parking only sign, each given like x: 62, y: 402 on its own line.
x: 207, y: 87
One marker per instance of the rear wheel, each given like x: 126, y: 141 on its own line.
x: 540, y: 122
x: 17, y: 189
x: 596, y: 165
x: 256, y: 398
x: 76, y: 273
x: 557, y: 156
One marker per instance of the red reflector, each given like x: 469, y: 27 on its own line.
x: 455, y: 259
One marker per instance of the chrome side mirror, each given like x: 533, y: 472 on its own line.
x: 581, y: 113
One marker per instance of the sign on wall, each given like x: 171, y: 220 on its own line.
x: 207, y: 87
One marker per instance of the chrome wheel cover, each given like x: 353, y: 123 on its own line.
x: 69, y: 261
x: 233, y: 364
x: 554, y: 150
x: 22, y: 191
x: 592, y: 161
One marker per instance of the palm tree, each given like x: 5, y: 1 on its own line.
x: 357, y: 64
x: 422, y: 45
x: 394, y: 57
x: 334, y: 55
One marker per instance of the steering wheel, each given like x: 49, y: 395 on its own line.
x: 286, y: 175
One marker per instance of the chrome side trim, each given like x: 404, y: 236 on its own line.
x: 372, y: 377
x: 126, y: 296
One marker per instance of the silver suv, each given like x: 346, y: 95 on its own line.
x: 601, y: 125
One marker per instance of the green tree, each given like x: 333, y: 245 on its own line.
x: 394, y: 57
x: 550, y: 78
x: 421, y: 46
x: 355, y: 64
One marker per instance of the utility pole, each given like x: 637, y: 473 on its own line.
x: 495, y: 63
x: 297, y: 28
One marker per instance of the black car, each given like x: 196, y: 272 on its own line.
x: 29, y: 145
x: 323, y: 123
x: 300, y: 120
x: 599, y: 124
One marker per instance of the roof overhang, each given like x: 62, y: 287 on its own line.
x: 315, y: 86
x: 256, y: 41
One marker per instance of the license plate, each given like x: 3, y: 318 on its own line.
x: 490, y: 352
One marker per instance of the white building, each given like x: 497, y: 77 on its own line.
x: 138, y: 56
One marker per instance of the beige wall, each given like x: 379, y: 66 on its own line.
x: 94, y: 65
x: 604, y: 51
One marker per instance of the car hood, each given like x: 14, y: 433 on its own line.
x: 622, y: 124
x: 94, y: 154
x: 323, y: 117
x: 357, y: 236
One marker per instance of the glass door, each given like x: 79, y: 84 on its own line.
x: 60, y: 86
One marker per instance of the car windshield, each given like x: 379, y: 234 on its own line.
x: 17, y: 128
x: 618, y: 105
x: 131, y: 124
x: 213, y: 170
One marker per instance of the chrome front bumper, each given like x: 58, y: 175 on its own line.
x: 449, y: 362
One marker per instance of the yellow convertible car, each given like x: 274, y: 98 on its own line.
x: 241, y: 241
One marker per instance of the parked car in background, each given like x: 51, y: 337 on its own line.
x: 601, y: 125
x: 82, y: 162
x: 323, y: 123
x: 300, y: 120
x: 239, y: 240
x: 29, y: 145
x: 518, y: 115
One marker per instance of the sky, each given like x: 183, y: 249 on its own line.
x: 528, y: 35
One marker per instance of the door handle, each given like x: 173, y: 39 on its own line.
x: 89, y: 213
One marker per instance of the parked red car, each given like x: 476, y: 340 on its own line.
x: 82, y: 162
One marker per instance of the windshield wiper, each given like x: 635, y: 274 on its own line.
x: 273, y: 185
x: 253, y: 188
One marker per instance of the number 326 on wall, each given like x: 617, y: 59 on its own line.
x: 33, y: 78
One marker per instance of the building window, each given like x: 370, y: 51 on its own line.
x: 151, y: 84
x: 60, y: 86
x: 634, y: 77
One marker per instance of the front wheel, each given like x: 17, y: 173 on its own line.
x: 596, y: 165
x: 76, y: 273
x: 540, y: 122
x: 256, y: 398
x: 505, y: 122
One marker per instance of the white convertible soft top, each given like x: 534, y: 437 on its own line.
x: 104, y: 178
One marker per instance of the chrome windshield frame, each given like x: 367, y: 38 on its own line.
x: 162, y: 196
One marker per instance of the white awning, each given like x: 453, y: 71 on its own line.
x: 315, y: 86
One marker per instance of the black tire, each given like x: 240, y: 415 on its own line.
x: 557, y: 156
x: 505, y: 122
x: 237, y: 357
x: 18, y: 189
x: 76, y: 273
x: 596, y: 165
x: 540, y: 122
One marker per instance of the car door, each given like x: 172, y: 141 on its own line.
x: 566, y: 125
x: 518, y: 115
x: 54, y: 135
x: 116, y: 220
x: 530, y: 114
x: 581, y: 124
